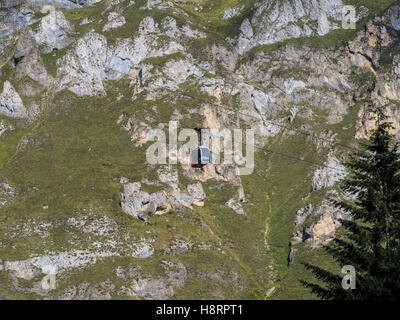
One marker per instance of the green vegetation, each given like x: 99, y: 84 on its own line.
x: 50, y: 60
x: 9, y: 143
x: 370, y: 243
x: 75, y: 164
x: 68, y: 163
x: 6, y: 74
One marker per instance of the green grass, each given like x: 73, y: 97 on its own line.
x: 74, y: 160
x: 68, y: 177
x: 291, y: 288
x: 77, y: 153
x: 50, y: 59
x: 9, y: 143
x: 6, y: 74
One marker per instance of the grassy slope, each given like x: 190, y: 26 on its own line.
x: 69, y: 177
x: 290, y: 286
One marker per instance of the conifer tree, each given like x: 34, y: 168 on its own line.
x: 370, y: 241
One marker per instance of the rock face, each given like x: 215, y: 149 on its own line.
x: 114, y: 21
x: 330, y: 174
x: 3, y: 128
x: 24, y: 45
x: 66, y: 4
x: 84, y: 68
x: 179, y: 71
x: 147, y: 287
x: 14, y: 19
x: 6, y: 193
x: 53, y: 31
x: 291, y: 85
x: 10, y: 102
x: 138, y: 203
x: 33, y: 68
x: 5, y: 4
x: 287, y: 89
x: 323, y: 230
x: 366, y: 122
x: 375, y: 49
x: 235, y: 206
x: 366, y: 49
x: 143, y: 250
x: 388, y: 83
x: 27, y: 62
x: 197, y: 193
x: 276, y: 21
x: 158, y: 4
x: 245, y: 37
x: 231, y: 13
x: 26, y: 269
x: 218, y: 172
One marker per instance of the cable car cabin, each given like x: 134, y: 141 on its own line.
x: 200, y: 157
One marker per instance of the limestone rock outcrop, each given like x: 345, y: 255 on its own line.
x: 27, y: 62
x: 3, y: 127
x: 6, y: 192
x: 53, y: 31
x: 84, y: 68
x: 10, y: 102
x: 115, y: 20
x: 65, y: 4
x: 14, y: 19
x: 318, y: 233
x: 327, y: 176
x: 275, y: 21
x: 139, y: 203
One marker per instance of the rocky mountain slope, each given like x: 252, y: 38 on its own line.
x: 82, y: 83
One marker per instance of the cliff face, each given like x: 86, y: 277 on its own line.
x: 84, y: 83
x: 275, y: 21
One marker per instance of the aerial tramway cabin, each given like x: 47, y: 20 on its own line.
x: 202, y: 155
